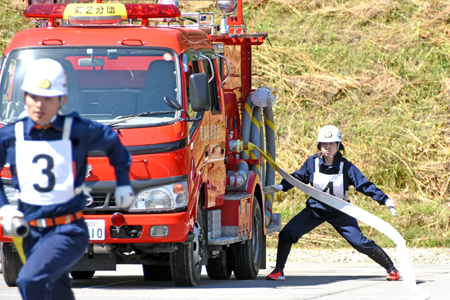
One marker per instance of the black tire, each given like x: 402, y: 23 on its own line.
x: 82, y: 274
x: 219, y: 268
x: 11, y: 264
x: 246, y: 256
x: 186, y: 262
x: 156, y: 273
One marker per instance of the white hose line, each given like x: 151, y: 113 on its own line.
x: 407, y: 271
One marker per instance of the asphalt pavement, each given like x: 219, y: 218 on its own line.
x: 303, y: 281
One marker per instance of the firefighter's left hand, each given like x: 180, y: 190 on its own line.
x: 390, y: 204
x: 123, y: 196
x: 275, y: 188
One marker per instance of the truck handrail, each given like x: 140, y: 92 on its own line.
x: 228, y: 67
x: 211, y: 65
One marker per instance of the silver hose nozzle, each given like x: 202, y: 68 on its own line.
x: 19, y: 227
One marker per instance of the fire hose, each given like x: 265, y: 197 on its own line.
x: 407, y: 271
x: 257, y: 128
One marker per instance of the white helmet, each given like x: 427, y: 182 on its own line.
x: 329, y: 134
x: 45, y: 77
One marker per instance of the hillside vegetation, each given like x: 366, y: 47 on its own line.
x: 377, y: 69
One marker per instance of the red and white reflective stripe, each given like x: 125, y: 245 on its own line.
x: 42, y: 223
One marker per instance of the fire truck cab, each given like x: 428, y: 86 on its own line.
x: 177, y: 89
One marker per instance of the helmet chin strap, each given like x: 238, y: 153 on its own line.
x: 337, y: 150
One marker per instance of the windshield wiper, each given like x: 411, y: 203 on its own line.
x: 128, y: 117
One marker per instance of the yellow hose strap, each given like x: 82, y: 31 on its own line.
x: 255, y: 121
x: 270, y: 156
x: 248, y: 109
x: 269, y: 196
x: 253, y: 156
x: 267, y: 158
x: 18, y: 242
x: 269, y: 123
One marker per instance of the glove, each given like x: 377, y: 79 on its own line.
x: 124, y: 195
x: 273, y: 188
x: 8, y: 213
x: 390, y: 204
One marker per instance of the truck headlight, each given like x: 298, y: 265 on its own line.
x: 12, y: 194
x: 162, y: 198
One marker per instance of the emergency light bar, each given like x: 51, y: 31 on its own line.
x: 100, y: 13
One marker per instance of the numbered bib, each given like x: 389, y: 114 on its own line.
x: 331, y: 184
x: 44, y: 168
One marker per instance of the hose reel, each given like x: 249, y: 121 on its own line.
x: 258, y: 128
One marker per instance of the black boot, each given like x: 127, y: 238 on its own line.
x: 381, y: 258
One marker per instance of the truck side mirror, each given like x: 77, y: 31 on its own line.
x: 198, y: 92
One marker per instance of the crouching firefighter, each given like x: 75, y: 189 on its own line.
x: 47, y: 154
x: 331, y: 173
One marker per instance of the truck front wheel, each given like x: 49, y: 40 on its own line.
x: 219, y: 267
x: 246, y: 256
x: 11, y: 264
x: 186, y: 262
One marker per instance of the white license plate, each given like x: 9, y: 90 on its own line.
x: 96, y: 229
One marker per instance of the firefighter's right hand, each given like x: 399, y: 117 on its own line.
x: 273, y: 188
x: 7, y: 215
x: 123, y: 196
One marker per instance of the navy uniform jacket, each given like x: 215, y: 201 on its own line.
x: 352, y: 176
x: 86, y: 135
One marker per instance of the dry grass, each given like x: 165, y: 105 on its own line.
x: 379, y: 70
x: 11, y: 20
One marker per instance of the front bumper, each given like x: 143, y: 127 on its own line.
x: 138, y: 228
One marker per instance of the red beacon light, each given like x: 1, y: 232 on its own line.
x: 100, y: 13
x: 45, y: 11
x: 152, y: 11
x: 118, y: 220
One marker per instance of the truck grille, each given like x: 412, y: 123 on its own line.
x: 101, y: 200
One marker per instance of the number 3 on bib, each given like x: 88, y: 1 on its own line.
x: 47, y: 172
x: 44, y: 168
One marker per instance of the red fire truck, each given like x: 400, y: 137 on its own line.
x: 177, y: 88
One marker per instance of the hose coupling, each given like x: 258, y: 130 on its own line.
x: 238, y: 179
x: 235, y: 145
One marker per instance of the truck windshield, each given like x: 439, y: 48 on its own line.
x: 104, y: 84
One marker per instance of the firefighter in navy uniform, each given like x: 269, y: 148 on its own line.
x: 330, y: 172
x: 47, y: 154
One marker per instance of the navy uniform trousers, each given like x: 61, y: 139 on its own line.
x: 309, y: 218
x: 50, y: 252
